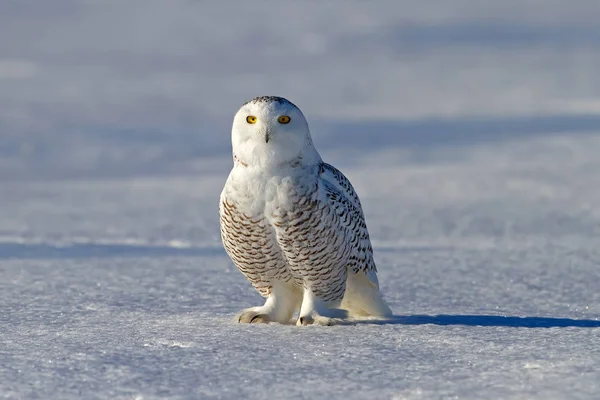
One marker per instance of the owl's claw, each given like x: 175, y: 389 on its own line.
x: 260, y: 319
x: 317, y: 320
x: 253, y: 317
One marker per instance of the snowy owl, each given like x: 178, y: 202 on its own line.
x: 293, y: 224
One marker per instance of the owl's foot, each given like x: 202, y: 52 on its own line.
x: 280, y: 306
x: 315, y: 320
x: 253, y: 316
x: 314, y: 311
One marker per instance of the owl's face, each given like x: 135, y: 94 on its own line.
x: 270, y: 131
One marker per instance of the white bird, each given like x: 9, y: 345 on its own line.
x: 294, y: 225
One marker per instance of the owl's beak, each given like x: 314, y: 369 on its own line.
x: 267, y: 135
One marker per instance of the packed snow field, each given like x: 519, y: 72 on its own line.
x: 470, y: 130
x: 120, y: 288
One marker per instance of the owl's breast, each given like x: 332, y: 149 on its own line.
x: 270, y: 195
x: 288, y: 196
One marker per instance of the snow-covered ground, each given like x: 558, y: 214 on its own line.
x: 471, y: 131
x: 120, y: 288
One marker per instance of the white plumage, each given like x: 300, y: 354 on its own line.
x: 293, y: 224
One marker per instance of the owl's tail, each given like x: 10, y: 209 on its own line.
x: 363, y: 298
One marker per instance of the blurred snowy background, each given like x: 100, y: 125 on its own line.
x: 470, y: 129
x: 93, y: 88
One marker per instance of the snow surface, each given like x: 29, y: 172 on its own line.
x: 471, y: 131
x: 120, y: 288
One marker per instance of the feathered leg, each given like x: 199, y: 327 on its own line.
x: 280, y: 306
x: 317, y: 311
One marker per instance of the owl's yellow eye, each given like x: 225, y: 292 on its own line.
x: 284, y: 119
x: 251, y: 119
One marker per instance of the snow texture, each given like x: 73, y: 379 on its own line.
x: 120, y: 289
x: 471, y: 132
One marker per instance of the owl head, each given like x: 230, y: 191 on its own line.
x: 271, y: 131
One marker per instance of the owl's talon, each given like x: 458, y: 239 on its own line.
x: 316, y: 320
x: 253, y: 317
x: 260, y: 319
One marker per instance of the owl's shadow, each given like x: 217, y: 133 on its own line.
x: 480, y: 320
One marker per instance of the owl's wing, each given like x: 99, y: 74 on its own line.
x: 343, y: 199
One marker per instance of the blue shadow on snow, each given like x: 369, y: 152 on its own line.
x: 444, y: 132
x: 486, y: 320
x: 91, y: 250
